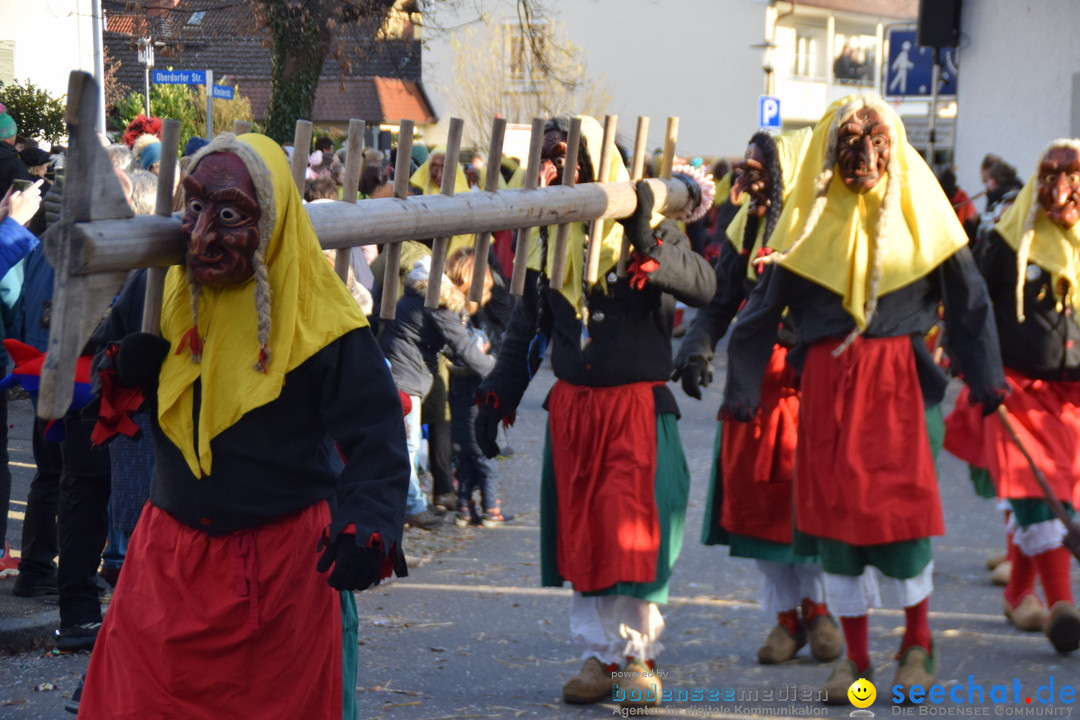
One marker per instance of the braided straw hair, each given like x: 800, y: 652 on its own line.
x: 1023, y: 250
x: 767, y: 143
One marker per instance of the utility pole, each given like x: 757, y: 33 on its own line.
x: 146, y: 59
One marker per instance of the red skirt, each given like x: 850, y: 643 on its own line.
x: 216, y: 628
x: 866, y: 473
x: 758, y: 459
x: 1046, y: 416
x: 603, y: 453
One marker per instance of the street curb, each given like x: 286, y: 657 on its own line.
x: 28, y: 633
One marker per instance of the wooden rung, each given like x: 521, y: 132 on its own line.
x: 301, y: 152
x: 637, y: 170
x: 446, y: 189
x: 391, y: 275
x: 532, y: 179
x: 592, y: 252
x: 155, y: 277
x: 491, y: 184
x: 354, y: 166
x: 670, y: 136
x: 558, y: 260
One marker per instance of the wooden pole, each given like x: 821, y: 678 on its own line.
x: 532, y: 178
x: 1072, y: 533
x: 92, y: 194
x: 354, y: 165
x: 491, y: 184
x: 301, y: 152
x: 108, y: 245
x: 155, y: 276
x: 562, y: 235
x: 401, y: 191
x: 637, y: 169
x: 446, y: 188
x: 592, y: 253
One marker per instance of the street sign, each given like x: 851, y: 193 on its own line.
x: 768, y: 111
x: 223, y: 92
x: 918, y: 131
x: 910, y: 67
x: 179, y: 77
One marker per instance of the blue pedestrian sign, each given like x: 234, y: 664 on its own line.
x: 179, y: 77
x: 910, y: 68
x: 768, y: 112
x: 223, y: 92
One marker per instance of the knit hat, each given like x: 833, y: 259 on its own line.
x: 193, y: 144
x: 8, y: 128
x: 419, y: 154
x: 150, y: 155
x: 33, y: 157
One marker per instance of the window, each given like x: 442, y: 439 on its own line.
x: 522, y: 67
x: 806, y: 55
x: 196, y: 17
x: 7, y: 61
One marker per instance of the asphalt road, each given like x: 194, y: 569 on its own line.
x: 470, y: 634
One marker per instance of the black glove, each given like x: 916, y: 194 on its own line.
x: 990, y: 401
x: 638, y: 227
x: 487, y: 429
x: 696, y: 373
x: 355, y: 567
x: 139, y: 359
x: 737, y: 411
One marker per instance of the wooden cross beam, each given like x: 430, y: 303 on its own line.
x: 97, y: 240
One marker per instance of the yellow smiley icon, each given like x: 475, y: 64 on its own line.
x: 862, y: 693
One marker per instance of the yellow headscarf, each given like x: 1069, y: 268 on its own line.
x: 1037, y: 239
x: 422, y: 179
x: 855, y: 244
x: 723, y: 189
x: 309, y: 307
x: 611, y: 233
x: 790, y: 149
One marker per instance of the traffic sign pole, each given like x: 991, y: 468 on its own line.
x: 934, y: 77
x: 209, y: 104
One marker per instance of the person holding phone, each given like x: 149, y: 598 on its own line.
x: 16, y: 209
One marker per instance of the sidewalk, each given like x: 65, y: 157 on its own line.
x: 25, y: 623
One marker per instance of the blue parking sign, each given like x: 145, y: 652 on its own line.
x: 769, y: 112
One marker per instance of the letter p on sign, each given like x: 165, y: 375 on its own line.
x: 769, y: 112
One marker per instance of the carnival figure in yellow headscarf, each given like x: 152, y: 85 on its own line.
x: 428, y: 180
x: 867, y: 247
x: 750, y: 492
x: 265, y: 376
x: 614, y: 483
x: 1031, y: 262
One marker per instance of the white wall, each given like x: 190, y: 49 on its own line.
x: 690, y: 58
x: 52, y: 38
x: 1016, y: 82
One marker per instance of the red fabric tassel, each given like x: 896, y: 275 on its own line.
x: 117, y: 404
x: 191, y: 338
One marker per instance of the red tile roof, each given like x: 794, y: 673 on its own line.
x: 125, y: 23
x: 372, y: 100
x: 403, y: 100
